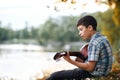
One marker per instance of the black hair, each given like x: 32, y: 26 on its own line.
x: 87, y: 20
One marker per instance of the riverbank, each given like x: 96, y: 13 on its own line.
x: 24, y: 47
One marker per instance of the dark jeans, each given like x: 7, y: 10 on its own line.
x: 75, y: 74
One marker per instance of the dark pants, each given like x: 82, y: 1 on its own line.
x: 75, y: 74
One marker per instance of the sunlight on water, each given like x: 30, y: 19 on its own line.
x: 22, y: 65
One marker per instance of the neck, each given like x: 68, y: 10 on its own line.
x: 93, y: 32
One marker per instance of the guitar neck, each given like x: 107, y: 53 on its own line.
x: 74, y: 53
x: 77, y: 54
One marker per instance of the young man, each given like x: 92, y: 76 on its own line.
x: 99, y: 62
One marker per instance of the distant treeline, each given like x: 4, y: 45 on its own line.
x: 63, y: 29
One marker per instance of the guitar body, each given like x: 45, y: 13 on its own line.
x: 81, y: 55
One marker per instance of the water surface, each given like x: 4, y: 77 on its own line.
x: 28, y: 65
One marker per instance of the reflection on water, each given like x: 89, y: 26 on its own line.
x: 23, y: 65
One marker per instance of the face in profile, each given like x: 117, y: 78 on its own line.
x: 84, y: 32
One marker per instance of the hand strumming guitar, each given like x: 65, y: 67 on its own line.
x: 80, y: 55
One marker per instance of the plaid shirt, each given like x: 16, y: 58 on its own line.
x: 99, y: 50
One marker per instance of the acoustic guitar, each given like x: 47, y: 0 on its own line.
x: 81, y: 55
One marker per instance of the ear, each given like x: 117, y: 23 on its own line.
x: 90, y: 28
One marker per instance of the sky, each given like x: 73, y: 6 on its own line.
x: 35, y: 12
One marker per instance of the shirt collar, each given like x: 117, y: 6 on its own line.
x: 95, y: 35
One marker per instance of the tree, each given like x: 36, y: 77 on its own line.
x: 34, y: 32
x: 114, y: 4
x: 47, y: 31
x: 62, y: 29
x: 107, y: 26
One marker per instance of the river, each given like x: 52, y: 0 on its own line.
x: 28, y: 65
